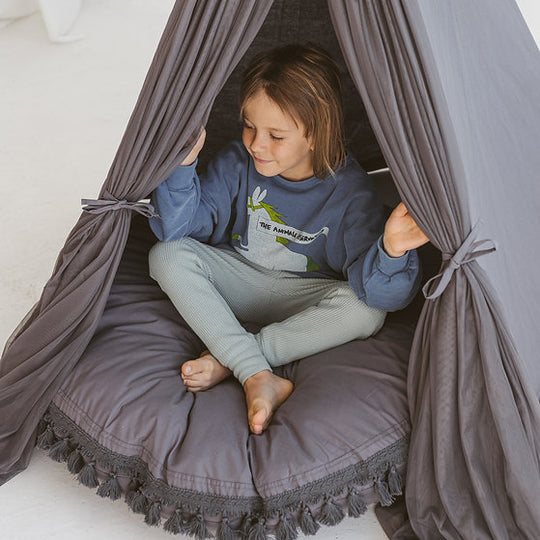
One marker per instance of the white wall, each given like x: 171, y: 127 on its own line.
x: 531, y: 12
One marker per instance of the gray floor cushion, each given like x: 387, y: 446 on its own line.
x: 125, y: 425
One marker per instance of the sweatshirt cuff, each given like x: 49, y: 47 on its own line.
x: 391, y: 265
x: 182, y: 177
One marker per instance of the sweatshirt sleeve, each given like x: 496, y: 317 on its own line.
x: 381, y: 281
x: 385, y: 282
x: 176, y: 201
x: 200, y: 207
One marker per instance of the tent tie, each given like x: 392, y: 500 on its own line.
x: 109, y: 202
x: 467, y: 252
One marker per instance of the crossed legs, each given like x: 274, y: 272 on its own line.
x: 215, y: 290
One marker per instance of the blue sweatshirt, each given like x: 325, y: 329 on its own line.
x: 329, y: 228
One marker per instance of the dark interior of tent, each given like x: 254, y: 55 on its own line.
x: 125, y: 425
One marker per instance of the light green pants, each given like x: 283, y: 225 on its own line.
x: 215, y: 290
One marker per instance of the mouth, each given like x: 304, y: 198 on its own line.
x: 261, y: 161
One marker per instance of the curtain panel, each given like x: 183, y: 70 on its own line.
x: 474, y: 454
x: 200, y: 46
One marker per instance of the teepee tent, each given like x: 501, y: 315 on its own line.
x: 451, y: 92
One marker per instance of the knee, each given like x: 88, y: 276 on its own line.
x: 370, y: 320
x: 165, y: 258
x: 377, y: 318
x: 365, y: 319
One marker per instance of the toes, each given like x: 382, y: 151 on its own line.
x: 195, y: 389
x: 194, y: 385
x: 260, y: 418
x: 203, y: 373
x: 187, y: 370
x: 191, y: 368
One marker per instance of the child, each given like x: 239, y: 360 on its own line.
x: 284, y: 230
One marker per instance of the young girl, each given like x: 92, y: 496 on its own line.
x: 284, y: 230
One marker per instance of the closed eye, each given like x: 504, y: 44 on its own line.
x: 276, y: 138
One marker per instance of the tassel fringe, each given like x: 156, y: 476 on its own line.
x: 111, y: 488
x: 286, y: 527
x: 331, y: 513
x: 174, y: 524
x: 357, y: 505
x: 225, y: 531
x: 63, y: 445
x: 60, y: 450
x: 88, y: 475
x: 307, y: 523
x: 139, y: 503
x: 385, y: 497
x: 131, y: 491
x: 257, y: 531
x: 75, y: 462
x: 153, y: 514
x: 196, y: 527
x: 47, y: 438
x: 395, y: 482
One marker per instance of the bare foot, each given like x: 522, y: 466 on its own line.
x: 203, y: 373
x: 265, y: 392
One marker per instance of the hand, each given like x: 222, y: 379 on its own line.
x: 401, y: 233
x: 192, y: 156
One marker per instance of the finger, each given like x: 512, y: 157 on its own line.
x: 201, y: 139
x: 400, y: 210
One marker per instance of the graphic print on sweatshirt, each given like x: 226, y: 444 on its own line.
x: 268, y: 236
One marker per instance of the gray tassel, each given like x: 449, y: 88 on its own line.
x: 174, y: 524
x: 357, y: 505
x: 395, y: 483
x: 43, y: 423
x: 75, y: 462
x: 247, y: 522
x: 286, y: 527
x: 385, y: 497
x: 88, y: 475
x: 307, y: 523
x: 131, y: 490
x: 60, y: 450
x: 225, y: 531
x: 196, y: 527
x: 111, y: 488
x: 331, y: 513
x: 257, y: 531
x: 46, y: 439
x: 138, y: 502
x: 153, y: 514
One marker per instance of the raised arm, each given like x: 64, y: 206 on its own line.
x: 200, y: 207
x: 176, y: 200
x: 384, y: 269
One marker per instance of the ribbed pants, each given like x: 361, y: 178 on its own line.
x: 215, y: 290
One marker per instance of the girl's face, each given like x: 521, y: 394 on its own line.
x: 275, y: 141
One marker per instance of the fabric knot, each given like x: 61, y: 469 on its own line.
x: 109, y: 202
x: 467, y: 252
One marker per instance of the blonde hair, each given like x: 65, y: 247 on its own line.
x: 305, y: 83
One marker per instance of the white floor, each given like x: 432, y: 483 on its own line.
x: 63, y: 110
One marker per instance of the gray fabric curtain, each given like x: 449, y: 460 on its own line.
x: 474, y: 457
x: 200, y: 46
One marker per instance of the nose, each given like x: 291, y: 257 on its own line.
x: 257, y: 143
